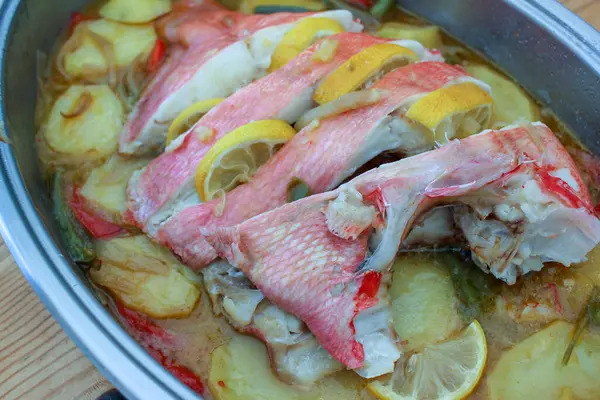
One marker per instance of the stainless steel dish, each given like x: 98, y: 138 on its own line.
x: 545, y: 47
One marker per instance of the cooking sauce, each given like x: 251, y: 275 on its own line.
x: 511, y: 314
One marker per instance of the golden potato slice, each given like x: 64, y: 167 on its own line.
x: 138, y: 254
x: 424, y: 303
x: 106, y: 186
x: 146, y: 277
x: 135, y: 11
x: 240, y: 370
x: 128, y: 43
x: 85, y: 60
x: 511, y: 103
x: 159, y: 296
x: 85, y: 120
x: 532, y: 369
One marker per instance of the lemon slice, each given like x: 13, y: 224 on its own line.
x: 235, y: 157
x: 455, y: 111
x: 428, y: 36
x: 300, y: 37
x: 188, y: 117
x: 447, y: 370
x: 361, y: 68
x: 424, y: 301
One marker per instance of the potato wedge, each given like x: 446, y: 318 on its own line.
x: 240, y: 370
x: 135, y: 11
x: 137, y: 254
x: 159, y: 296
x: 532, y: 369
x: 428, y: 36
x: 105, y: 189
x: 511, y: 103
x: 146, y: 277
x: 424, y: 303
x: 128, y: 43
x: 85, y: 121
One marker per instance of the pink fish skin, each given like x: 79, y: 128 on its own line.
x: 191, y: 22
x: 296, y: 357
x: 284, y: 94
x: 322, y: 157
x: 300, y: 265
x: 282, y: 268
x: 144, y: 130
x: 180, y: 67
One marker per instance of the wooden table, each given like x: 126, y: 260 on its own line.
x: 37, y: 359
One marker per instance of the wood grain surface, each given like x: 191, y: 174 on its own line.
x: 37, y: 359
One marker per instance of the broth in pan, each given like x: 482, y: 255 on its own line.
x: 283, y: 199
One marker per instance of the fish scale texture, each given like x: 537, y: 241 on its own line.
x: 462, y: 171
x: 306, y: 270
x: 321, y: 157
x: 167, y: 175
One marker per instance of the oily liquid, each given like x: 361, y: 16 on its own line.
x: 203, y: 332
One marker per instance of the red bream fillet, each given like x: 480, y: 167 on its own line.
x: 191, y: 22
x: 311, y: 258
x: 168, y: 180
x: 322, y: 156
x: 210, y: 69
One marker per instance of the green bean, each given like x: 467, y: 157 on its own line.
x: 297, y: 189
x: 278, y: 9
x: 380, y: 8
x: 76, y: 240
x: 367, y: 19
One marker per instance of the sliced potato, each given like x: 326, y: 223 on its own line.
x: 106, y: 186
x: 424, y: 303
x: 428, y: 36
x: 532, y: 369
x: 159, y: 296
x: 240, y: 370
x: 128, y: 43
x: 85, y: 120
x: 135, y: 11
x: 511, y: 103
x: 138, y: 254
x: 85, y: 60
x: 146, y: 277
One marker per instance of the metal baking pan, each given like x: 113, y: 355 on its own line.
x: 549, y: 50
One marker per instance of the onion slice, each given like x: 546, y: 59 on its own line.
x: 72, y: 44
x: 107, y: 50
x: 80, y: 106
x: 387, y: 241
x: 219, y: 208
